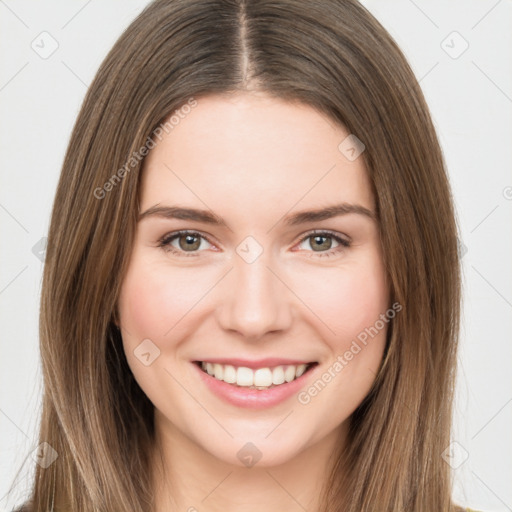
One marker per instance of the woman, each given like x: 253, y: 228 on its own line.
x: 251, y: 292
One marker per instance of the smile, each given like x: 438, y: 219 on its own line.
x: 254, y: 388
x: 260, y: 378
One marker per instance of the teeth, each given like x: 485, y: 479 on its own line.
x: 229, y: 374
x: 262, y: 378
x: 218, y: 371
x: 289, y: 373
x: 244, y: 376
x: 278, y: 375
x: 300, y: 370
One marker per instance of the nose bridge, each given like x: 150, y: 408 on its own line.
x: 254, y: 301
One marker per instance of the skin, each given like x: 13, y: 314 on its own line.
x: 252, y: 159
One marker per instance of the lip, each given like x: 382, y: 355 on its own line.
x: 268, y: 362
x: 254, y: 398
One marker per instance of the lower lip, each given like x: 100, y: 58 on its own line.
x: 254, y: 398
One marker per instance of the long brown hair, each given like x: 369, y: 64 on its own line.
x: 334, y: 56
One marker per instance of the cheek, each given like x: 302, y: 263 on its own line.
x: 156, y: 303
x: 348, y: 301
x: 351, y: 309
x: 361, y: 300
x: 155, y: 300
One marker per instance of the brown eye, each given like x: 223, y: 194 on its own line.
x: 320, y: 242
x: 189, y: 242
x: 184, y: 243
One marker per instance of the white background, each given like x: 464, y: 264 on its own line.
x: 470, y: 97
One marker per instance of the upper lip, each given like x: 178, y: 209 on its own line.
x: 268, y: 362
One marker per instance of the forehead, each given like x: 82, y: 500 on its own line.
x: 260, y: 152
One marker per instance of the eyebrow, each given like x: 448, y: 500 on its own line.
x: 327, y: 213
x: 302, y: 217
x: 178, y: 212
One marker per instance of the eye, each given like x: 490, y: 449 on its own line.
x: 321, y: 242
x: 190, y: 243
x: 183, y: 243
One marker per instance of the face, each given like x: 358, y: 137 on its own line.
x: 225, y: 270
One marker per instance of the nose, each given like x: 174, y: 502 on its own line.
x: 253, y: 300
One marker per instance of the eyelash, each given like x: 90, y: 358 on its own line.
x: 166, y: 240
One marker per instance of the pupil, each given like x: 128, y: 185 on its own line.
x: 325, y: 245
x: 191, y: 242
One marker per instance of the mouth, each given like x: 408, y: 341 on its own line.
x: 255, y: 378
